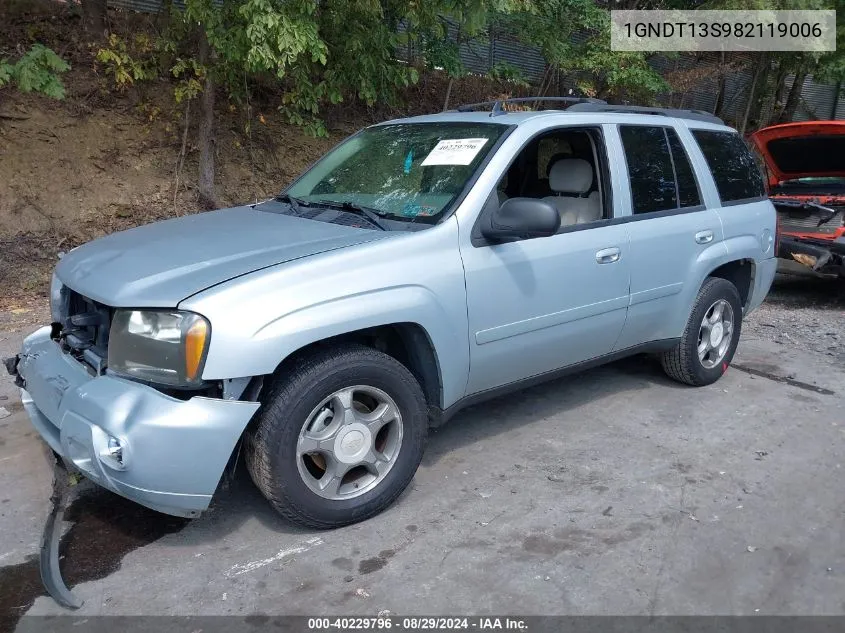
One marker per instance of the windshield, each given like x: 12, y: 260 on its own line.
x: 405, y: 171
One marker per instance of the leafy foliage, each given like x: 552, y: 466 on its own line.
x: 128, y: 63
x: 191, y: 75
x: 503, y: 71
x: 572, y: 36
x: 37, y: 71
x: 369, y: 50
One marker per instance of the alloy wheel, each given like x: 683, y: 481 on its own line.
x: 349, y: 442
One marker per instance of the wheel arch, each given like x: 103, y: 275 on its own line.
x: 407, y: 342
x: 410, y: 322
x: 741, y: 273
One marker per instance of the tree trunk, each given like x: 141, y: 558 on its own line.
x: 761, y: 93
x: 448, y: 94
x: 752, y: 105
x: 720, y: 89
x: 452, y: 78
x: 207, y: 196
x: 94, y: 16
x: 780, y: 88
x: 794, y: 97
x: 720, y: 95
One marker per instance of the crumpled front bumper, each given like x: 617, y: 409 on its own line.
x: 174, y: 451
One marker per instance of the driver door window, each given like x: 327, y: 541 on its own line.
x: 566, y: 168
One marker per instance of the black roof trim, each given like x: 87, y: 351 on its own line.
x: 694, y: 115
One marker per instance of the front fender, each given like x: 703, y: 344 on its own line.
x: 261, y: 319
x: 288, y: 333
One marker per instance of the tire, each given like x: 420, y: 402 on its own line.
x: 285, y: 476
x: 682, y: 363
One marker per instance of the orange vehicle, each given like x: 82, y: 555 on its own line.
x: 805, y: 169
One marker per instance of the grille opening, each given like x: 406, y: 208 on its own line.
x: 84, y: 331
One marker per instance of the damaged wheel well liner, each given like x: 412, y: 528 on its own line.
x: 741, y: 274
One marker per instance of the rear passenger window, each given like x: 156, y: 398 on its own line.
x: 659, y: 169
x: 649, y: 168
x: 732, y: 165
x: 687, y: 186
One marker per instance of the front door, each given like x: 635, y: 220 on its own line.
x: 541, y: 304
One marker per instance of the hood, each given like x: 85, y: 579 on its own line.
x: 160, y: 264
x: 810, y: 149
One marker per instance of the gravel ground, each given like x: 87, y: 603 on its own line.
x: 805, y: 312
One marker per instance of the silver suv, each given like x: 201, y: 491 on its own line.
x: 422, y: 265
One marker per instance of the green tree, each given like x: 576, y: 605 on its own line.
x: 572, y: 36
x: 770, y: 70
x: 219, y: 45
x: 318, y: 52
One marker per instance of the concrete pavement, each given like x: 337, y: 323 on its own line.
x: 616, y: 491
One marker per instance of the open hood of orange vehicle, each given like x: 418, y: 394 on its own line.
x: 808, y: 149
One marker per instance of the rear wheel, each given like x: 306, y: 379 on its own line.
x: 339, y: 437
x: 710, y: 337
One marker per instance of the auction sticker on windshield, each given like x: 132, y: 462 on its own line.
x: 454, y: 151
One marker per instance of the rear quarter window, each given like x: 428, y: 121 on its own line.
x: 734, y: 169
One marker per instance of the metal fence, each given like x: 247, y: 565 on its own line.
x: 818, y: 100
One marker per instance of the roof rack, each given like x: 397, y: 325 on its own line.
x: 497, y: 108
x: 695, y: 115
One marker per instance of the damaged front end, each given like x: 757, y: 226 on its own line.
x: 806, y: 181
x: 812, y: 234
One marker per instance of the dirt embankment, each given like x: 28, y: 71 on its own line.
x: 102, y: 160
x: 69, y: 174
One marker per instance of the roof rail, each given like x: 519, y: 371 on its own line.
x: 497, y: 108
x: 695, y: 115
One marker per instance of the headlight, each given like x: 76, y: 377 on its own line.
x: 166, y: 347
x: 56, y: 298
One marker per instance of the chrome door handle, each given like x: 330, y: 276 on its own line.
x: 704, y: 237
x: 608, y: 255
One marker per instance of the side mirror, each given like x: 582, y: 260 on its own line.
x: 521, y: 218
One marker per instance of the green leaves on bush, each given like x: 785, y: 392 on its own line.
x: 128, y: 63
x: 37, y: 71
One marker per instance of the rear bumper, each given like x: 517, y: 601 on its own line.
x: 174, y: 451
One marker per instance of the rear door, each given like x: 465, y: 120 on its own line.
x: 671, y: 229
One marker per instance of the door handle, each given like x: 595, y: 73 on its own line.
x: 608, y: 255
x: 704, y: 237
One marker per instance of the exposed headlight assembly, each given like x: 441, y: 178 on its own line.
x: 167, y: 347
x: 57, y: 297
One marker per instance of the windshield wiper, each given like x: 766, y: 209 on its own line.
x: 295, y: 203
x: 356, y: 209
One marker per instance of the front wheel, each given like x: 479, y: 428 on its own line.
x: 710, y: 337
x: 339, y: 437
